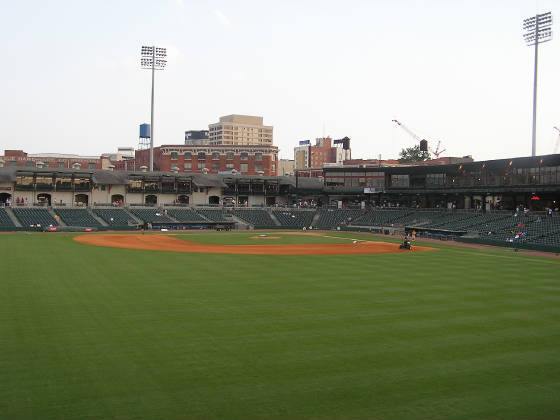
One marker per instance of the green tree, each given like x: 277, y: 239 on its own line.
x: 413, y: 154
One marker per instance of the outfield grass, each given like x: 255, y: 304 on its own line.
x: 98, y: 333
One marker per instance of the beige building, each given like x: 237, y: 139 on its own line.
x: 285, y: 167
x: 240, y: 130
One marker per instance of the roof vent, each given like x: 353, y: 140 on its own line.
x: 76, y: 165
x: 175, y: 169
x: 1, y: 163
x: 204, y: 170
x: 111, y: 167
x: 143, y: 168
x: 39, y: 164
x: 260, y: 173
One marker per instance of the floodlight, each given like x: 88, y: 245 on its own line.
x: 539, y: 30
x: 152, y: 58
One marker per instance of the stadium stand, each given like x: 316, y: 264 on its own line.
x: 185, y: 215
x: 380, y: 217
x: 30, y: 216
x: 115, y: 217
x: 77, y: 217
x: 5, y: 221
x: 258, y: 218
x: 214, y: 215
x: 333, y: 218
x: 294, y: 219
x: 150, y: 215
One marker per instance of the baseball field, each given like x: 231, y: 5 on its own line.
x: 135, y: 328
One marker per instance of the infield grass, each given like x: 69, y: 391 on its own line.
x: 99, y: 333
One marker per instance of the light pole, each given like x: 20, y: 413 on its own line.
x: 153, y: 58
x: 539, y: 30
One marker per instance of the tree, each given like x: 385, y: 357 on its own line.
x: 413, y: 154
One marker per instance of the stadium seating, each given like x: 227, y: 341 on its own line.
x: 77, y: 217
x: 5, y: 221
x: 258, y: 218
x: 214, y: 215
x: 294, y: 219
x: 115, y: 217
x: 185, y: 215
x: 380, y: 217
x: 151, y: 215
x: 29, y: 216
x: 333, y: 218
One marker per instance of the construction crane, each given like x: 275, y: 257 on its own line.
x: 557, y: 147
x: 435, y: 152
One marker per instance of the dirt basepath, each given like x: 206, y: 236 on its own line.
x: 168, y: 243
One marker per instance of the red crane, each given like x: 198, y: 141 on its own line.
x: 435, y: 152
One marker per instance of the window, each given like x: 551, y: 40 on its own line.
x: 174, y: 155
x: 188, y: 166
x: 244, y: 167
x: 229, y: 165
x: 201, y: 155
x: 399, y: 180
x: 91, y: 165
x: 215, y: 156
x: 29, y: 163
x: 258, y: 167
x: 188, y: 155
x: 435, y: 179
x: 60, y: 164
x: 135, y: 185
x: 200, y: 165
x: 215, y: 166
x: 244, y: 156
x: 258, y: 156
x: 229, y: 155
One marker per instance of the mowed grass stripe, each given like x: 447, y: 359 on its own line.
x: 117, y: 333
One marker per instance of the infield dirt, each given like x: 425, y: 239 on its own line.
x: 169, y: 243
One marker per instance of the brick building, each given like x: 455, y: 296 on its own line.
x: 244, y: 159
x: 52, y: 160
x: 324, y: 151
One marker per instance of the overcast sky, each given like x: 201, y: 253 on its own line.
x: 454, y: 71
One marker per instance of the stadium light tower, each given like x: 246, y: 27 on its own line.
x: 539, y: 30
x: 153, y: 58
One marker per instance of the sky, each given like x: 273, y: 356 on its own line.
x: 455, y: 72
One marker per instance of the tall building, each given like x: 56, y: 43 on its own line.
x: 240, y: 130
x: 307, y: 156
